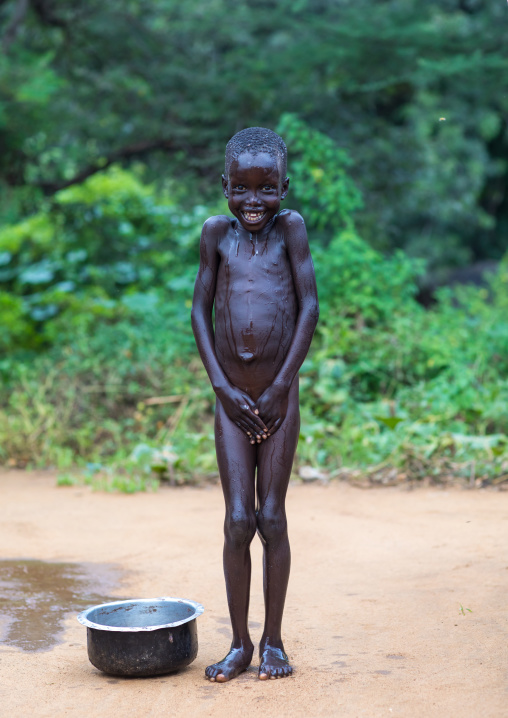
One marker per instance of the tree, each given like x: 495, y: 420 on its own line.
x: 415, y: 92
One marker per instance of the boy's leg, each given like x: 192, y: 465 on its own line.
x: 236, y: 458
x: 275, y: 459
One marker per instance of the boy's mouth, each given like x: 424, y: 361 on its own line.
x: 253, y: 216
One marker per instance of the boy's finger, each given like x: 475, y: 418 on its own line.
x: 244, y: 426
x: 270, y: 424
x: 241, y: 425
x: 250, y: 407
x: 250, y: 418
x: 275, y: 425
x: 249, y: 404
x: 254, y: 428
x: 257, y: 421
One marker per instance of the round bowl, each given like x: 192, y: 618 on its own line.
x: 142, y: 636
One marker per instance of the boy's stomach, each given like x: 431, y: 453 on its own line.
x: 252, y: 342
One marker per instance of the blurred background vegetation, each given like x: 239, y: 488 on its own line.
x: 113, y: 122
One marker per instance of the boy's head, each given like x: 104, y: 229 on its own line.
x: 256, y: 140
x: 255, y: 179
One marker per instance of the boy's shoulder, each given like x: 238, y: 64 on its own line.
x: 219, y: 223
x: 289, y: 217
x: 293, y: 229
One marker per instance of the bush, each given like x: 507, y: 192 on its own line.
x: 96, y: 251
x: 100, y: 370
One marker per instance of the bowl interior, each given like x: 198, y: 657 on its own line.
x: 141, y: 614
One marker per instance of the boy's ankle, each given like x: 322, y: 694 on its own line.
x: 272, y: 642
x: 243, y: 645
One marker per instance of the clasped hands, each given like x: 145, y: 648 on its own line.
x: 258, y: 419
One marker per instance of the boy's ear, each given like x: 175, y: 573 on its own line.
x: 225, y: 187
x: 285, y: 188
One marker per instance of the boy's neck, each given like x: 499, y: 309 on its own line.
x: 261, y: 234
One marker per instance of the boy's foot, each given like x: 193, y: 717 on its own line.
x: 273, y: 663
x: 237, y: 661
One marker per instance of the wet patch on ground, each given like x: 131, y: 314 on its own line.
x: 36, y: 596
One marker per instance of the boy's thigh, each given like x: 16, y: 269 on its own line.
x: 236, y: 458
x: 276, y: 454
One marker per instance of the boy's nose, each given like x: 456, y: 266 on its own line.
x: 252, y: 200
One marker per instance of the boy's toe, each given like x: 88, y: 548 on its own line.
x: 212, y: 672
x: 274, y: 664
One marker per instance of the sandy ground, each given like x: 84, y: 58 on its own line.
x: 372, y: 623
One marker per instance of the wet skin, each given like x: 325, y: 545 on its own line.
x: 258, y: 271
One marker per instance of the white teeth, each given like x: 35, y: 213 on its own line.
x: 252, y: 216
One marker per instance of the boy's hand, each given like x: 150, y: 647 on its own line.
x: 272, y: 406
x: 242, y: 411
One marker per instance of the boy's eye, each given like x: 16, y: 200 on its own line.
x: 267, y: 187
x: 240, y: 187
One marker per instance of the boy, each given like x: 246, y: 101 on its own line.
x: 258, y: 271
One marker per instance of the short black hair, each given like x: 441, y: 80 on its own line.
x: 255, y: 140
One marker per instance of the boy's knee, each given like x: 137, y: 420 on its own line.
x: 272, y: 525
x: 239, y: 528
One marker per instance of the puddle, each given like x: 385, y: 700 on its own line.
x: 36, y: 596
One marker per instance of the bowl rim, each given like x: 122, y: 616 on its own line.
x: 85, y: 621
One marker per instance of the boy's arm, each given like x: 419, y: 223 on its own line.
x: 238, y: 405
x: 272, y: 404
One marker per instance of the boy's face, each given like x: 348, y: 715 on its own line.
x: 254, y: 189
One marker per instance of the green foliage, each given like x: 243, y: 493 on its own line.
x: 88, y: 400
x: 416, y: 92
x: 420, y: 393
x: 388, y: 386
x: 28, y: 84
x: 97, y: 252
x: 16, y: 330
x: 356, y: 281
x: 114, y: 245
x: 327, y: 195
x: 99, y: 370
x: 424, y: 391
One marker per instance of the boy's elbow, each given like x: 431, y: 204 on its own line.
x: 310, y: 314
x: 195, y: 316
x: 314, y: 312
x: 199, y: 315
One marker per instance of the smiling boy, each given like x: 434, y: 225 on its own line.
x: 258, y: 271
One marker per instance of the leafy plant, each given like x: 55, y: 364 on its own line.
x: 99, y: 371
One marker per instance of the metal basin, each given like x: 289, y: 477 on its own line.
x: 143, y: 636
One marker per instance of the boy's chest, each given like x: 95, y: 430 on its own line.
x: 243, y: 257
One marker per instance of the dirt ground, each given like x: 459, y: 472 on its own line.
x: 373, y: 620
